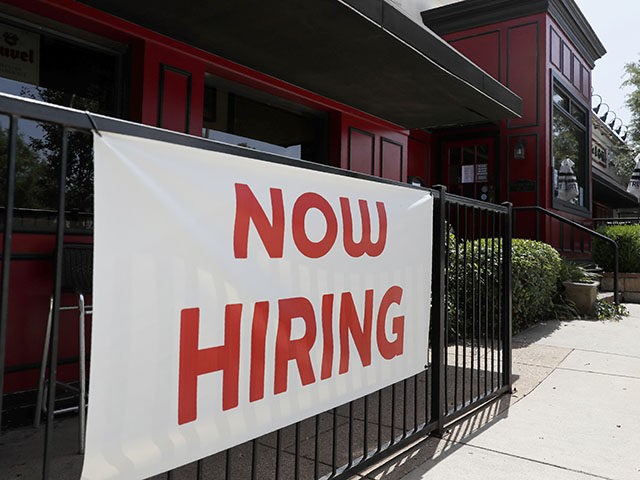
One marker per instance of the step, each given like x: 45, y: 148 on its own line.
x: 607, y: 296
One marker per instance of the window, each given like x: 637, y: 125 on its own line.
x: 569, y: 137
x: 39, y: 63
x: 252, y: 119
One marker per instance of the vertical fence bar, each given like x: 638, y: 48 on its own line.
x: 6, y: 249
x: 474, y: 306
x: 464, y: 307
x: 393, y: 414
x: 278, y: 441
x: 500, y: 305
x: 493, y: 301
x: 379, y: 421
x: 53, y: 353
x: 296, y: 471
x: 350, y: 437
x: 487, y: 278
x: 616, y: 297
x: 438, y: 333
x: 334, y: 451
x: 365, y: 435
x: 254, y: 454
x: 457, y: 313
x: 444, y: 294
x: 316, y: 451
x: 506, y: 333
x: 415, y: 404
x: 404, y: 408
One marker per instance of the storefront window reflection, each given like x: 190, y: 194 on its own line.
x: 263, y: 123
x: 54, y: 69
x: 569, y: 141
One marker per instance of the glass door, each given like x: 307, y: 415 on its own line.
x: 469, y: 168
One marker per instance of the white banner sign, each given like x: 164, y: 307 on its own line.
x: 234, y: 296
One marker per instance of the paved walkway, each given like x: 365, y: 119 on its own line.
x: 575, y: 414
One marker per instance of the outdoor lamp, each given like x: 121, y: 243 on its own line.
x: 603, y: 117
x: 596, y: 109
x: 613, y: 127
x: 519, y: 150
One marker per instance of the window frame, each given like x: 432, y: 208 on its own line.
x: 573, y: 101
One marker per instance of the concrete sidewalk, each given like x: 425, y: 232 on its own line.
x: 575, y: 413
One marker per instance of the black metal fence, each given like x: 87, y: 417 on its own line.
x: 470, y: 337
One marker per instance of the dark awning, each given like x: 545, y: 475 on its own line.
x: 363, y: 53
x: 609, y: 192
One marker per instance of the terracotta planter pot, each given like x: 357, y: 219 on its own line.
x: 584, y: 295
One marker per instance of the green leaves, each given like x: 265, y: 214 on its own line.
x: 475, y: 281
x: 628, y: 239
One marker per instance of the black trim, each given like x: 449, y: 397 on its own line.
x: 164, y: 68
x: 350, y: 51
x: 477, y: 13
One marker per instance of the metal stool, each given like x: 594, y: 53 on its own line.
x: 77, y: 278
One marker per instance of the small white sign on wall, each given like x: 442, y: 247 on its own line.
x: 468, y: 173
x: 19, y: 55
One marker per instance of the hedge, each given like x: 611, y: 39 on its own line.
x: 535, y: 273
x: 628, y: 239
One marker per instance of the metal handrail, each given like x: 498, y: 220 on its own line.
x: 588, y: 231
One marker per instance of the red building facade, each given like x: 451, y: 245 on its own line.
x: 544, y: 52
x: 348, y: 84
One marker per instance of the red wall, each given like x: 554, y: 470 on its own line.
x: 369, y: 148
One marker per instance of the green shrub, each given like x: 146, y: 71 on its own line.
x: 473, y: 291
x: 536, y: 267
x: 571, y: 271
x: 628, y: 239
x: 605, y: 310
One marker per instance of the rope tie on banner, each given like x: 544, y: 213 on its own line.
x: 93, y: 123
